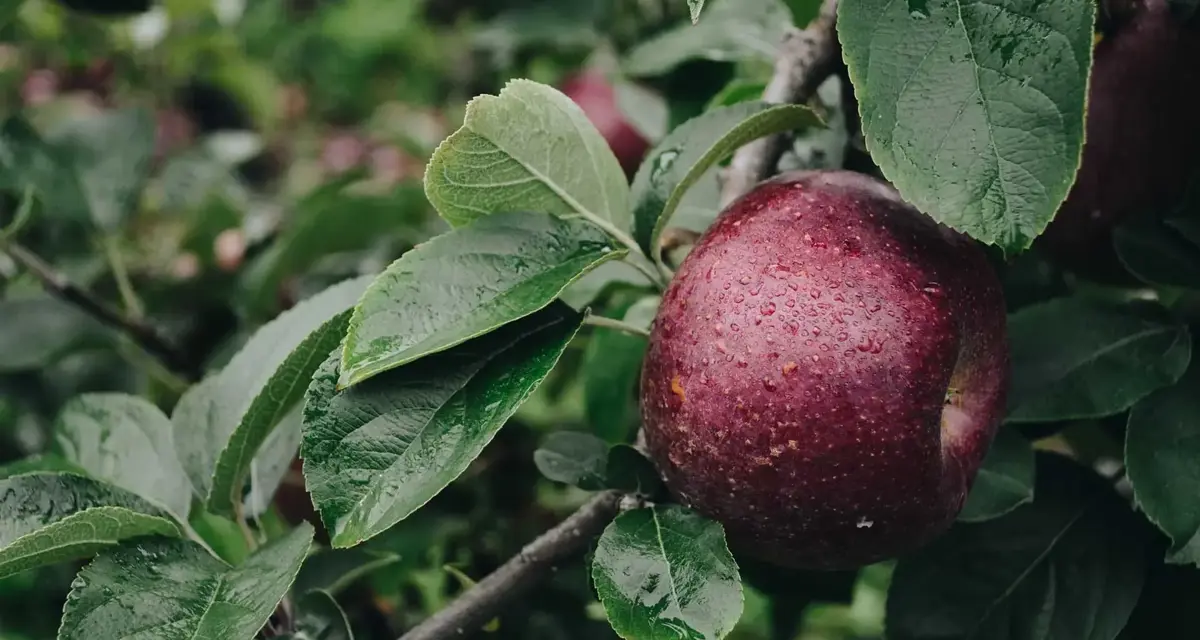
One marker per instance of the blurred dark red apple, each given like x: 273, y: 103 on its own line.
x: 826, y: 372
x: 1142, y: 133
x: 596, y: 96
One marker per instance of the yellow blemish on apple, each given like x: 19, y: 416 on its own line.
x: 677, y: 389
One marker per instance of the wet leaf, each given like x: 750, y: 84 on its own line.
x: 1005, y: 480
x: 684, y: 156
x: 466, y: 283
x: 973, y: 111
x: 529, y: 149
x: 126, y: 441
x: 378, y: 451
x: 574, y: 458
x: 47, y: 518
x: 1074, y: 359
x: 175, y: 589
x: 665, y: 573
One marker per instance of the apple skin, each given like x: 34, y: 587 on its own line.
x: 596, y: 96
x: 796, y: 386
x: 1141, y: 136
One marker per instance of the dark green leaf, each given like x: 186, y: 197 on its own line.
x: 332, y: 570
x: 1005, y: 481
x: 1074, y: 359
x: 1157, y: 254
x: 732, y: 30
x: 1188, y: 227
x: 175, y: 589
x: 1161, y: 448
x: 631, y: 471
x: 573, y: 458
x: 37, y: 331
x: 221, y: 423
x: 126, y: 441
x: 973, y: 111
x: 1073, y: 561
x: 612, y: 363
x: 529, y: 149
x: 54, y: 517
x: 378, y: 451
x: 318, y: 617
x: 676, y: 163
x: 466, y: 283
x: 109, y: 154
x: 664, y: 572
x: 272, y: 463
x: 30, y: 161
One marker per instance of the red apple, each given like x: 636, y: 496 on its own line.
x: 596, y: 96
x: 1141, y: 138
x: 826, y: 372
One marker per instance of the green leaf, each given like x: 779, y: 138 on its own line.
x: 319, y: 617
x: 221, y: 423
x: 38, y: 330
x: 9, y: 10
x: 695, y: 7
x: 30, y: 161
x: 175, y: 589
x: 1074, y: 359
x: 677, y: 162
x: 529, y: 149
x: 574, y: 458
x: 109, y: 155
x: 733, y: 30
x: 40, y: 462
x: 664, y: 572
x: 1005, y: 480
x: 1161, y: 445
x: 332, y: 570
x: 1073, y: 561
x: 612, y: 363
x: 973, y: 111
x: 378, y: 451
x: 465, y: 283
x: 126, y: 441
x: 54, y: 517
x: 1158, y: 254
x: 629, y: 470
x: 272, y: 463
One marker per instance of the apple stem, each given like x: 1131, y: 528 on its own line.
x: 612, y: 323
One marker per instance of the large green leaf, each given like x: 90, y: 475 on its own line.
x: 318, y: 617
x: 612, y: 363
x: 38, y: 330
x: 174, y: 589
x: 109, y: 154
x: 221, y: 423
x: 127, y: 441
x: 1005, y: 480
x: 732, y: 30
x: 378, y: 451
x: 529, y: 149
x: 666, y: 573
x: 683, y: 157
x: 1074, y: 359
x: 53, y: 517
x: 973, y: 111
x: 465, y: 283
x: 1073, y: 561
x: 1161, y: 448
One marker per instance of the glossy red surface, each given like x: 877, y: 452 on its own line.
x: 826, y: 372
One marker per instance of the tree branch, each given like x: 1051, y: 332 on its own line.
x: 806, y: 59
x: 58, y: 285
x: 473, y: 609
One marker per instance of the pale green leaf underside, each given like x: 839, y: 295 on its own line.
x: 168, y: 589
x: 974, y: 111
x: 465, y: 283
x: 378, y: 451
x: 665, y: 573
x: 127, y: 441
x: 529, y: 149
x: 731, y: 30
x: 47, y: 518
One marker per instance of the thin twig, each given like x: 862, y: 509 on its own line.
x: 613, y: 323
x: 806, y: 59
x: 58, y: 285
x: 478, y: 605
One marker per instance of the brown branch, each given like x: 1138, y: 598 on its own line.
x: 487, y: 599
x: 61, y: 287
x: 806, y: 59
